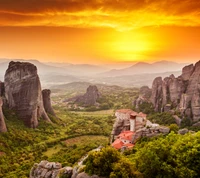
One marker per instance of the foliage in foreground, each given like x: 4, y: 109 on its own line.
x: 176, y: 156
x: 110, y: 163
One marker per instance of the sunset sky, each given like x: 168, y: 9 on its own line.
x: 100, y: 31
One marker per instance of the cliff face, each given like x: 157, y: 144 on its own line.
x: 2, y: 121
x: 181, y: 93
x: 144, y: 95
x: 23, y: 93
x: 47, y: 102
x: 90, y: 97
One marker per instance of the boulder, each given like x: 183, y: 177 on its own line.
x: 164, y: 130
x: 47, y: 102
x: 2, y: 121
x: 183, y: 131
x: 66, y: 172
x: 23, y: 92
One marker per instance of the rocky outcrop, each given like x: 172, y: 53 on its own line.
x: 157, y: 93
x: 47, y: 102
x: 144, y: 95
x: 23, y: 93
x: 150, y: 132
x: 47, y: 169
x: 2, y: 121
x: 181, y: 93
x: 2, y: 88
x: 84, y: 175
x: 183, y: 131
x: 187, y: 72
x: 90, y: 97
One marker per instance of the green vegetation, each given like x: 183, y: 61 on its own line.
x: 162, y: 118
x: 112, y: 97
x: 61, y: 141
x: 174, y: 155
x: 109, y: 163
x: 146, y: 108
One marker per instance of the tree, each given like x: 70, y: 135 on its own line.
x: 101, y: 162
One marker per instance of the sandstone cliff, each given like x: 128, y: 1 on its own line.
x: 23, y: 92
x: 2, y: 121
x: 181, y: 93
x: 144, y: 95
x: 90, y: 97
x: 47, y: 102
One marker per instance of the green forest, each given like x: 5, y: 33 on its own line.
x: 171, y: 156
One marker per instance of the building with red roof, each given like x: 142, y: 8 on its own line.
x: 124, y: 140
x: 117, y: 144
x: 127, y: 122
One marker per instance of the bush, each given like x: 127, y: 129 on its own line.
x: 174, y: 128
x: 101, y: 162
x: 162, y: 118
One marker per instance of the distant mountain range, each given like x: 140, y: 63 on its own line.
x: 146, y: 68
x: 134, y: 76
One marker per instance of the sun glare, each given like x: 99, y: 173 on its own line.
x: 131, y: 47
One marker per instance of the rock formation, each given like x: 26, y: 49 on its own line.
x: 144, y: 95
x: 47, y: 102
x: 47, y: 169
x: 90, y: 97
x: 150, y: 132
x: 2, y: 121
x: 2, y: 88
x: 181, y: 93
x: 23, y: 92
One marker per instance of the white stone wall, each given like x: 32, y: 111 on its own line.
x: 132, y: 125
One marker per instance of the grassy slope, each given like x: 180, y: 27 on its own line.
x: 24, y: 146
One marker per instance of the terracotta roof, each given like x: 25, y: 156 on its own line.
x: 117, y: 144
x: 126, y: 135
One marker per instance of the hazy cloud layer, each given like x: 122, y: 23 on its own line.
x: 119, y: 14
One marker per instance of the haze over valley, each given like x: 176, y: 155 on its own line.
x: 136, y: 75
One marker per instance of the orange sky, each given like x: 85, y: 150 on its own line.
x: 100, y: 31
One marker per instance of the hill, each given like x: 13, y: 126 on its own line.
x: 146, y: 68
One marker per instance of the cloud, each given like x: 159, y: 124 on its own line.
x: 118, y: 14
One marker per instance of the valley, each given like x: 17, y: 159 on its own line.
x: 64, y: 124
x: 64, y: 141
